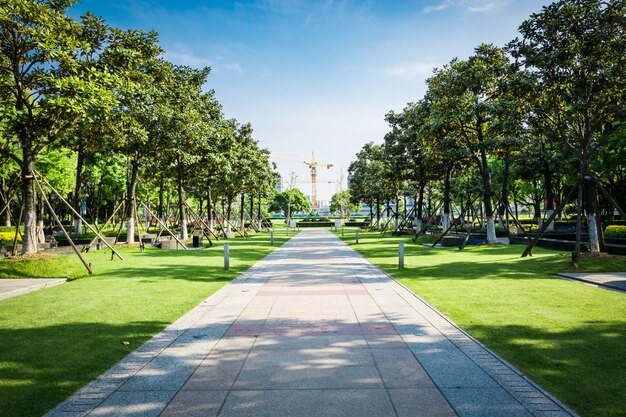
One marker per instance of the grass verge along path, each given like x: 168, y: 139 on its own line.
x: 567, y: 336
x: 54, y: 341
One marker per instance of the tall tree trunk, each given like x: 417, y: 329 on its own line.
x: 80, y: 161
x: 549, y: 190
x: 5, y: 202
x: 229, y: 210
x: 252, y: 210
x: 371, y: 203
x: 161, y: 191
x: 41, y: 238
x: 29, y: 240
x: 590, y: 209
x: 445, y: 222
x: 182, y: 209
x: 377, y: 213
x: 131, y: 205
x: 241, y: 210
x: 487, y: 193
x: 504, y: 202
x: 420, y: 206
x: 537, y: 211
x: 397, y: 213
x: 209, y: 206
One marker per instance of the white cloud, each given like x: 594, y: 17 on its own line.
x: 473, y: 6
x: 438, y: 7
x: 233, y: 67
x: 480, y: 9
x: 419, y: 70
x: 181, y: 57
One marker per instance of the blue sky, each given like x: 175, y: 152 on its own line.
x: 317, y: 75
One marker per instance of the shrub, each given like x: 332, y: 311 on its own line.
x: 7, y: 237
x: 615, y: 231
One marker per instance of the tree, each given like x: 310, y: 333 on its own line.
x: 366, y: 178
x: 341, y: 203
x: 289, y: 202
x: 467, y: 95
x: 576, y: 49
x: 48, y: 85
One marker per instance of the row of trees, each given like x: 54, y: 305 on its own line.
x: 81, y: 96
x: 523, y: 122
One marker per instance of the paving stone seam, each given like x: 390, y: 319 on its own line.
x: 110, y: 381
x: 242, y: 279
x: 446, y: 321
x: 500, y: 361
x: 385, y: 314
x: 380, y: 374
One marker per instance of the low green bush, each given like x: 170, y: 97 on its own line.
x: 615, y: 231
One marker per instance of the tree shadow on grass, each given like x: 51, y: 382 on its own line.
x: 39, y: 367
x: 583, y: 366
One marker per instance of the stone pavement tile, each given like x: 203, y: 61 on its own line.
x: 400, y: 369
x: 451, y: 368
x: 484, y: 402
x: 237, y: 330
x: 378, y: 328
x: 429, y: 343
x: 234, y: 343
x: 312, y: 342
x: 217, y: 371
x: 308, y: 403
x: 420, y: 402
x: 301, y: 329
x: 299, y: 377
x: 327, y: 357
x: 387, y: 341
x: 134, y: 404
x: 162, y: 374
x: 189, y: 403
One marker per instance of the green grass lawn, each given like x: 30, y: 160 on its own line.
x: 567, y: 336
x: 54, y: 341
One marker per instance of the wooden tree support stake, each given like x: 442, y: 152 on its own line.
x: 608, y: 197
x: 544, y: 227
x: 56, y: 219
x: 74, y: 211
x: 199, y: 219
x: 17, y: 230
x: 166, y: 228
x: 103, y: 227
x: 428, y: 223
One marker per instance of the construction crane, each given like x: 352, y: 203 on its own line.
x: 313, y: 164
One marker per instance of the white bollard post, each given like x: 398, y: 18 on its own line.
x: 226, y: 256
x: 401, y: 256
x: 356, y: 237
x: 271, y: 237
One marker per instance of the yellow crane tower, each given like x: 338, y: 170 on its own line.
x: 313, y: 164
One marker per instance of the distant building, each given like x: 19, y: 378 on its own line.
x: 279, y: 183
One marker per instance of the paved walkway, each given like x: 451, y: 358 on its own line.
x: 312, y: 330
x: 13, y: 287
x: 613, y: 280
